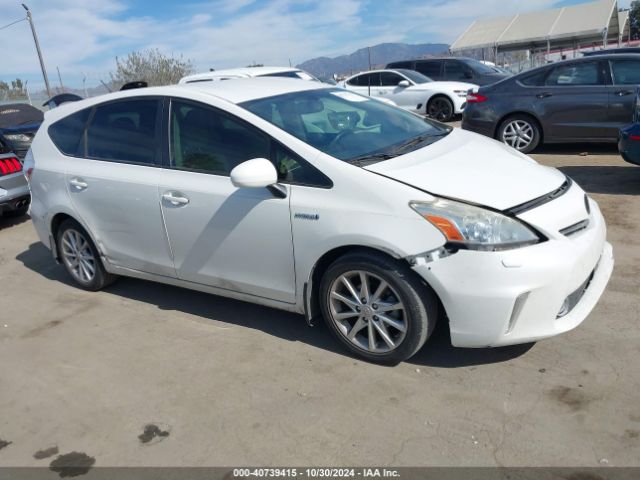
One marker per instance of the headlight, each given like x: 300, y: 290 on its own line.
x: 17, y: 137
x: 474, y: 227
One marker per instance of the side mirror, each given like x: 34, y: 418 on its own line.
x: 404, y: 83
x: 256, y: 173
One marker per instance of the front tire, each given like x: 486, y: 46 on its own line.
x: 521, y: 132
x: 440, y: 108
x: 80, y: 257
x: 377, y: 307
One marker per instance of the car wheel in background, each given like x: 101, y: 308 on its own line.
x: 80, y: 257
x: 440, y: 108
x: 521, y: 132
x: 377, y: 307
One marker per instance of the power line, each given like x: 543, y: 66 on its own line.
x: 13, y: 23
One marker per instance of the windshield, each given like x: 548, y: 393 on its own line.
x: 346, y: 125
x: 415, y: 77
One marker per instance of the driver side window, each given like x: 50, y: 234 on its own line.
x: 203, y: 139
x: 390, y: 79
x: 295, y: 170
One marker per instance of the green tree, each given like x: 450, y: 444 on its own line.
x: 13, y: 91
x: 150, y: 66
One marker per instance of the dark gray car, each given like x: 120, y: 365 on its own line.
x: 453, y: 69
x: 582, y: 100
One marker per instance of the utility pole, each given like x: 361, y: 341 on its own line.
x: 35, y: 39
x: 60, y: 80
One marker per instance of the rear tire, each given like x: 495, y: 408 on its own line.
x: 521, y: 132
x: 389, y: 319
x: 440, y: 108
x: 80, y: 257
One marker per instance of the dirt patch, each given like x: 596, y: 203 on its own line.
x: 571, y: 397
x: 42, y: 328
x: 152, y: 434
x: 72, y: 464
x: 46, y: 453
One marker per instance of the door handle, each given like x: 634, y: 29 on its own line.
x: 176, y: 199
x: 78, y: 183
x: 622, y: 93
x: 543, y: 95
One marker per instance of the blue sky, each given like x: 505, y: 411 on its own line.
x: 83, y: 37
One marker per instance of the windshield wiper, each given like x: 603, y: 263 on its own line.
x: 369, y: 158
x: 417, y: 141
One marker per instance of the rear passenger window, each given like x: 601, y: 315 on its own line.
x: 586, y: 73
x: 534, y: 80
x: 456, y: 70
x: 408, y: 65
x: 626, y: 72
x: 125, y: 131
x: 203, y: 139
x: 67, y: 133
x: 430, y: 69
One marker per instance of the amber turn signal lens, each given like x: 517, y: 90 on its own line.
x: 446, y: 227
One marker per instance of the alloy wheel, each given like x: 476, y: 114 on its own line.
x: 440, y: 109
x: 518, y: 134
x: 367, y: 311
x: 78, y: 256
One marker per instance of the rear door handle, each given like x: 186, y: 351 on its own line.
x: 78, y: 183
x: 543, y: 95
x: 622, y: 93
x: 175, y: 198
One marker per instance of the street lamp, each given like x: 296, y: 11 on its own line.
x: 35, y: 39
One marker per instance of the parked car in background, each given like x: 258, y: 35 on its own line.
x: 582, y: 100
x: 413, y: 91
x: 607, y: 51
x: 315, y: 200
x: 453, y: 69
x: 61, y: 99
x: 248, y: 72
x: 19, y: 123
x: 629, y: 138
x: 14, y: 190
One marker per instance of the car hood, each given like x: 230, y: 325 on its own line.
x: 470, y: 167
x: 444, y: 85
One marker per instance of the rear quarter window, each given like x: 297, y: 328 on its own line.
x: 534, y: 80
x: 67, y: 133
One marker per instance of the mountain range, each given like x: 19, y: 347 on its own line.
x: 381, y: 54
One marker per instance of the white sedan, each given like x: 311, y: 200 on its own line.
x: 413, y: 91
x: 323, y: 202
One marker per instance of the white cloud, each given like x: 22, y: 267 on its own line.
x: 86, y: 35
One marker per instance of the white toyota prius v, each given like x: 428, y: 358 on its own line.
x: 319, y: 201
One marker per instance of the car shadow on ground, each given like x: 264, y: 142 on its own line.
x: 580, y: 149
x: 615, y: 180
x: 7, y: 221
x: 438, y: 352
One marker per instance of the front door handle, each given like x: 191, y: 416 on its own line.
x: 622, y: 93
x: 543, y: 95
x: 176, y: 199
x: 78, y: 183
